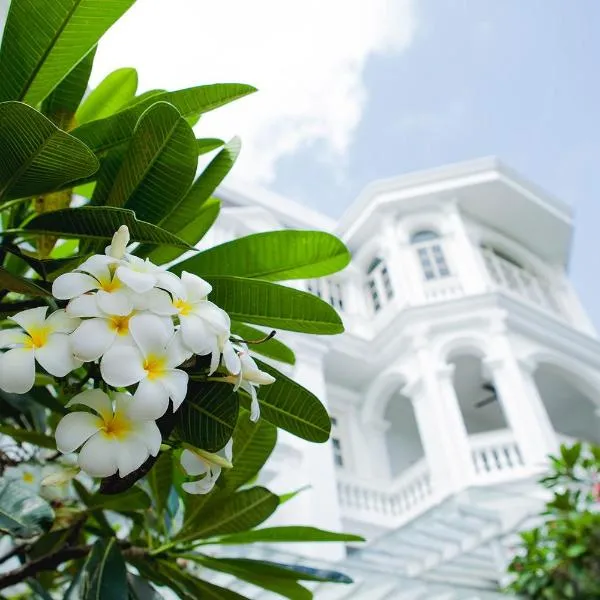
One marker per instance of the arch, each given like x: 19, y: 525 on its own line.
x: 379, y: 393
x: 424, y: 235
x: 473, y: 344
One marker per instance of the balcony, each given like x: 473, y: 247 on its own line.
x: 496, y: 459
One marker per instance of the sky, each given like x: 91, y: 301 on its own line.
x: 355, y: 90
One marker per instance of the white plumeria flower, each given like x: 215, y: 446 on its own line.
x: 110, y: 440
x: 28, y: 475
x: 249, y: 378
x: 204, y: 326
x: 199, y: 462
x: 151, y: 363
x: 143, y: 275
x: 43, y: 339
x: 96, y: 274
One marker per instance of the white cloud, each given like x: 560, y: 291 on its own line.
x: 307, y: 57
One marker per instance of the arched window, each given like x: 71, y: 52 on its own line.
x: 430, y: 253
x: 379, y: 285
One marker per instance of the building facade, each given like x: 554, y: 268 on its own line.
x: 467, y: 359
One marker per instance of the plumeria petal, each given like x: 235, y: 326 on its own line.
x: 71, y: 285
x: 92, y: 339
x: 216, y: 317
x: 150, y: 401
x: 122, y: 366
x: 196, y: 289
x: 56, y: 355
x: 192, y: 464
x: 84, y: 306
x: 155, y: 301
x: 197, y: 335
x: 98, y: 456
x: 170, y: 282
x: 12, y: 337
x: 150, y: 433
x: 132, y: 453
x: 98, y: 265
x: 74, y: 429
x: 149, y: 333
x: 231, y: 358
x: 118, y: 302
x: 176, y: 381
x: 177, y: 351
x: 17, y: 370
x: 95, y: 399
x: 31, y: 319
x: 254, y: 404
x: 61, y: 322
x: 202, y: 486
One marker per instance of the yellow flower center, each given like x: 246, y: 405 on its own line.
x: 117, y: 427
x: 28, y: 477
x: 155, y: 366
x: 38, y: 336
x: 183, y: 307
x: 120, y: 324
x: 109, y: 285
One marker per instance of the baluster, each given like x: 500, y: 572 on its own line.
x: 476, y: 455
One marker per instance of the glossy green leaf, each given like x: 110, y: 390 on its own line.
x: 292, y: 407
x: 273, y: 256
x: 31, y: 437
x: 99, y: 223
x: 104, y: 573
x: 158, y: 167
x: 284, y: 586
x: 23, y: 514
x: 285, y: 534
x: 109, y: 96
x: 35, y: 156
x: 135, y: 498
x: 240, y: 511
x: 192, y: 233
x: 160, y: 479
x: 208, y: 416
x: 272, y: 305
x: 204, y: 145
x: 185, y: 211
x: 45, y: 39
x: 253, y: 443
x: 272, y: 348
x: 21, y: 285
x: 140, y: 589
x: 61, y: 104
x: 45, y: 267
x: 108, y: 133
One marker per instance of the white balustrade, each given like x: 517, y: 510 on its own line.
x: 495, y: 453
x: 520, y: 282
x: 445, y: 288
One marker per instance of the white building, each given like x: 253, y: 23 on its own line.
x: 467, y: 358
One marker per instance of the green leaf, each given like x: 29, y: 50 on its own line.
x: 110, y: 96
x: 104, y: 573
x: 284, y: 586
x: 292, y: 407
x: 239, y: 512
x: 253, y: 443
x: 185, y: 211
x: 140, y: 589
x: 32, y: 437
x: 160, y: 479
x: 273, y: 256
x: 576, y: 550
x: 21, y: 285
x: 44, y: 40
x: 192, y: 233
x: 208, y: 416
x: 272, y: 348
x: 131, y: 500
x: 61, y: 104
x: 158, y: 167
x: 204, y: 145
x: 99, y: 223
x: 22, y: 513
x: 108, y: 133
x: 286, y: 534
x: 37, y: 157
x: 45, y: 267
x: 272, y: 305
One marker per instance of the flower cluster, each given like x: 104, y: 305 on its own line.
x: 139, y: 323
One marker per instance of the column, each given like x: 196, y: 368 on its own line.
x: 521, y: 403
x: 394, y: 262
x: 317, y: 506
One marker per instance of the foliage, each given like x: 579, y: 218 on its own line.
x: 560, y: 558
x: 76, y: 166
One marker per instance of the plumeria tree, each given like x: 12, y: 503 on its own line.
x: 560, y: 558
x: 136, y: 411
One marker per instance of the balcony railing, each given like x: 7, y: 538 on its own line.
x: 495, y: 454
x: 520, y: 282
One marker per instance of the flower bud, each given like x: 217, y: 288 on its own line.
x: 119, y: 243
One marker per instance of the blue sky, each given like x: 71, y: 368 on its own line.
x: 513, y: 78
